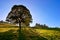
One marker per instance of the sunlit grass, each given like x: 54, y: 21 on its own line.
x: 45, y: 33
x: 49, y: 34
x: 6, y: 29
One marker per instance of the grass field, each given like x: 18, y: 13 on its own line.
x: 49, y: 34
x: 29, y: 34
x: 34, y: 34
x: 6, y: 29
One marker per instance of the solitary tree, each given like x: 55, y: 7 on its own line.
x: 19, y: 14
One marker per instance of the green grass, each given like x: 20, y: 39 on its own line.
x: 29, y: 34
x: 49, y: 34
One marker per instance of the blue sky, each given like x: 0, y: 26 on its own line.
x: 42, y: 11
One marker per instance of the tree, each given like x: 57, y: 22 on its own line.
x: 41, y: 26
x: 1, y: 21
x: 19, y: 14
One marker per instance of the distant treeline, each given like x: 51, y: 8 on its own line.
x: 3, y: 21
x: 37, y: 25
x: 40, y: 26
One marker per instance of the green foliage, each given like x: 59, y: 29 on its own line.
x: 18, y: 14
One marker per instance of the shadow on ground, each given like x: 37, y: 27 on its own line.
x: 23, y: 35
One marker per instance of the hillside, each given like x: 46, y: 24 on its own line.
x: 29, y: 34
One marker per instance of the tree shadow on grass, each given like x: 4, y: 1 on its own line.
x: 23, y: 35
x: 29, y: 35
x: 36, y: 36
x: 8, y: 35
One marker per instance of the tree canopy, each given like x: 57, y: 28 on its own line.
x: 19, y: 14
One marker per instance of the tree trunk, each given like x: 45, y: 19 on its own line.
x: 19, y: 38
x: 20, y: 25
x: 19, y: 20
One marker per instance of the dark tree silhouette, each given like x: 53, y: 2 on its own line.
x: 19, y: 14
x: 41, y: 26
